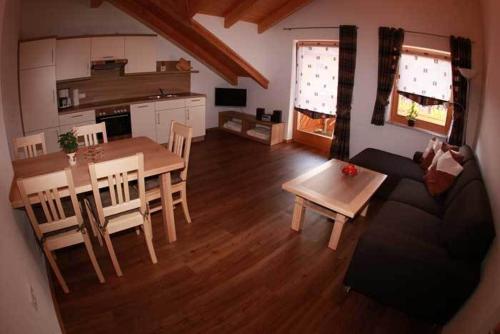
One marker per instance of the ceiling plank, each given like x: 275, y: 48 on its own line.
x: 280, y: 14
x: 235, y: 13
x: 191, y: 37
x: 96, y: 3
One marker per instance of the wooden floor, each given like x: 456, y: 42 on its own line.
x: 238, y: 268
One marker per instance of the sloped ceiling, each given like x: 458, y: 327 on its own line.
x: 172, y: 19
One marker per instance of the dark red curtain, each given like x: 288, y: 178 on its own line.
x: 460, y: 58
x: 390, y: 45
x: 347, y: 69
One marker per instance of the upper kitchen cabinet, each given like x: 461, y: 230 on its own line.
x: 141, y: 53
x: 37, y: 53
x: 73, y: 58
x: 107, y: 48
x: 38, y: 98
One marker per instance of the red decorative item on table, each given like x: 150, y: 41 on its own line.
x: 350, y: 170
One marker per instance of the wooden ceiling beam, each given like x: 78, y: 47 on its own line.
x: 96, y: 3
x: 280, y: 14
x: 236, y: 12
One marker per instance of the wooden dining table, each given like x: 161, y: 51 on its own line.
x: 158, y: 161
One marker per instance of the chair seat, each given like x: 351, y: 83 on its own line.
x: 124, y: 221
x: 154, y: 182
x: 64, y: 239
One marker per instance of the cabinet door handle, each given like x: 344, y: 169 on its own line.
x: 76, y: 116
x: 52, y: 56
x: 107, y: 57
x: 157, y: 118
x: 189, y: 117
x: 143, y: 106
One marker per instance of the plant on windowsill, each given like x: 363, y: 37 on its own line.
x: 412, y: 115
x: 69, y: 144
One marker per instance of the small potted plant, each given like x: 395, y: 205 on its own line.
x: 69, y: 144
x: 412, y: 115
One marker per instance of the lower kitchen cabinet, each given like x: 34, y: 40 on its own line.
x: 51, y: 136
x: 163, y: 120
x: 144, y: 119
x: 195, y: 118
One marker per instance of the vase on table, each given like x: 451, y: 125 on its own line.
x: 71, y: 158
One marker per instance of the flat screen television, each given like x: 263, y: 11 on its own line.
x: 230, y: 97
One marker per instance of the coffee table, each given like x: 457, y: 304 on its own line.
x: 327, y: 191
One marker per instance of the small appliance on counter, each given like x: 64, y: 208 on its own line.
x: 76, y: 97
x: 64, y: 100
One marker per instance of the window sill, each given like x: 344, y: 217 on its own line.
x: 414, y: 128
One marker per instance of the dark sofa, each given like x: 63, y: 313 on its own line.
x: 422, y: 254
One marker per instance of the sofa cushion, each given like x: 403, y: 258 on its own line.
x: 416, y: 194
x: 468, y: 226
x: 389, y: 164
x: 404, y: 272
x: 470, y: 173
x: 397, y: 217
x: 467, y: 153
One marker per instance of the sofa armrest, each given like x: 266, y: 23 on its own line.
x: 417, y: 157
x: 409, y: 274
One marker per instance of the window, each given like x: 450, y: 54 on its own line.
x: 316, y: 86
x: 424, y: 84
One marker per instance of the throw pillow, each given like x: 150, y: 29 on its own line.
x: 430, y: 152
x: 442, y: 174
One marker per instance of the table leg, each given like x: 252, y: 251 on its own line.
x: 337, y: 231
x: 167, y: 206
x: 298, y: 214
x: 365, y: 210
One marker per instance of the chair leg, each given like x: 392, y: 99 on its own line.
x: 92, y: 257
x: 112, y: 254
x: 55, y: 268
x: 148, y: 235
x: 184, y: 204
x: 93, y: 222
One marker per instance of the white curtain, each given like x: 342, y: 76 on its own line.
x: 317, y: 78
x: 425, y: 76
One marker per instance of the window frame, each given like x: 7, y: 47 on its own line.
x: 419, y: 124
x: 306, y: 43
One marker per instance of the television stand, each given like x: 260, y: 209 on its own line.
x: 268, y: 133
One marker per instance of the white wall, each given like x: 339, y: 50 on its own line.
x: 482, y: 312
x: 21, y: 263
x: 271, y: 52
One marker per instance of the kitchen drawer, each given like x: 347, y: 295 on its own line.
x: 145, y: 107
x: 195, y: 101
x: 77, y: 117
x: 170, y: 104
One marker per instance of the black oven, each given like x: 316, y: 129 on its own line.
x: 117, y: 119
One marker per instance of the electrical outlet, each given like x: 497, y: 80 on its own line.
x: 33, y: 298
x: 82, y: 95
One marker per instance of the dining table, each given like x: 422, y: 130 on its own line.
x: 158, y: 161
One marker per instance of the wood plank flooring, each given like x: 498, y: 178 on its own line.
x: 238, y: 268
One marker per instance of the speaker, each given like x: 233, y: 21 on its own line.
x: 260, y: 113
x: 276, y: 117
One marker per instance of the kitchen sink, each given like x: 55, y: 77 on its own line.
x: 157, y: 97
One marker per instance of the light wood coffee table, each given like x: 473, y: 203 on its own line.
x: 332, y: 194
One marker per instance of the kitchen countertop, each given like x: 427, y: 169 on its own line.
x: 131, y: 100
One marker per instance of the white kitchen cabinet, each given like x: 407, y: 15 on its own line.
x: 143, y: 117
x: 72, y: 58
x: 51, y: 136
x: 141, y: 53
x: 107, y: 48
x: 77, y: 117
x: 37, y: 53
x: 164, y: 119
x: 195, y: 118
x: 38, y: 98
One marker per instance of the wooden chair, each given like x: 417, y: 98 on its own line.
x: 58, y: 229
x: 90, y: 133
x: 116, y: 210
x: 180, y: 144
x: 30, y: 146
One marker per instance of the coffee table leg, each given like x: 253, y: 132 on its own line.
x: 298, y: 214
x: 365, y: 210
x: 337, y: 231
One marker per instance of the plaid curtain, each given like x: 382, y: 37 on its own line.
x: 347, y: 69
x: 390, y: 45
x: 460, y: 58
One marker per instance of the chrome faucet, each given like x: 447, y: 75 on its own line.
x: 162, y: 92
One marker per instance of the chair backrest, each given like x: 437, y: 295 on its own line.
x: 30, y: 146
x: 116, y: 175
x: 180, y: 143
x: 47, y: 190
x: 90, y: 133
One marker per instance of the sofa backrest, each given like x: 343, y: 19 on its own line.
x: 470, y: 173
x: 467, y: 228
x: 467, y: 153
